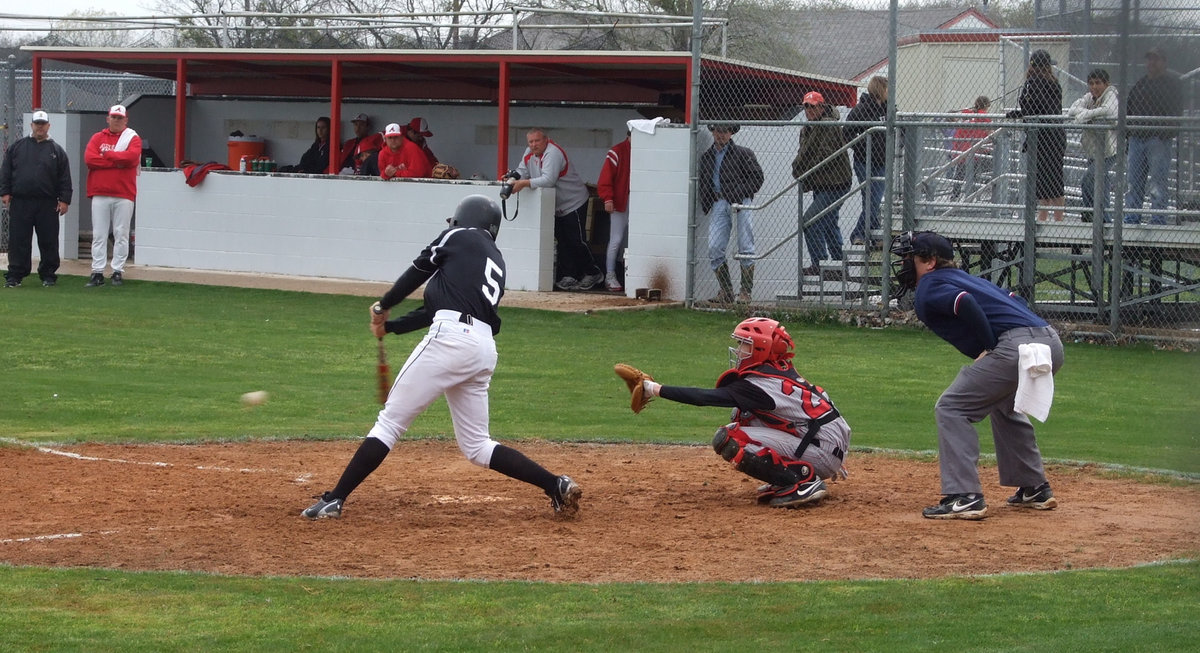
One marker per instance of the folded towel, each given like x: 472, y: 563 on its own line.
x: 1035, y: 381
x: 647, y: 125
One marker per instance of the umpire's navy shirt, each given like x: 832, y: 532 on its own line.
x: 969, y: 312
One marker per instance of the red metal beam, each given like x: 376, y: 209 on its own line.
x: 502, y: 122
x: 180, y: 109
x: 335, y: 116
x: 36, y: 99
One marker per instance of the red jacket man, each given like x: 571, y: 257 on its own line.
x: 402, y: 157
x: 113, y: 157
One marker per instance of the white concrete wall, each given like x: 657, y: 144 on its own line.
x: 352, y: 228
x: 657, y: 252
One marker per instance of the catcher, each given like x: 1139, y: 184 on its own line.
x: 785, y: 430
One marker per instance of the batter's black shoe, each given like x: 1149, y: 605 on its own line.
x: 96, y: 279
x: 118, y: 278
x: 799, y: 494
x: 1038, y: 498
x: 565, y: 499
x: 326, y: 506
x: 958, y: 506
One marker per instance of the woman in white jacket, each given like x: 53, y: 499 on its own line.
x: 1098, y: 105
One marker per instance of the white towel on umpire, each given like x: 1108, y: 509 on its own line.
x: 1035, y: 381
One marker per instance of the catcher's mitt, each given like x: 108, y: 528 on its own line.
x: 633, y: 378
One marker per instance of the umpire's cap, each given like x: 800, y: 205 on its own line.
x: 925, y: 244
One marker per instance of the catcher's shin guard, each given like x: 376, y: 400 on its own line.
x: 766, y: 465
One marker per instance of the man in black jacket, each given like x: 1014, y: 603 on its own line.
x: 1157, y: 95
x: 729, y: 174
x: 35, y: 185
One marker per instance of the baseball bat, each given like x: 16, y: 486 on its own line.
x: 385, y: 382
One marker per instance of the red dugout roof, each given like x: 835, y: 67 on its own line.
x: 656, y: 82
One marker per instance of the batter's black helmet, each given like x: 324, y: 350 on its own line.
x: 478, y: 212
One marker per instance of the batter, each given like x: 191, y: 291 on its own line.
x: 463, y: 272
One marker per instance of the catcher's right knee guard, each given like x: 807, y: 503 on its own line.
x: 725, y: 446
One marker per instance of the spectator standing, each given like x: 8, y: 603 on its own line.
x: 613, y: 188
x: 869, y: 165
x: 964, y: 139
x: 828, y: 182
x: 996, y: 329
x: 357, y: 149
x: 113, y: 157
x: 545, y: 165
x: 315, y: 161
x: 417, y: 130
x: 729, y: 174
x: 1100, y: 147
x: 401, y: 157
x: 1157, y: 94
x: 1041, y: 102
x: 35, y: 186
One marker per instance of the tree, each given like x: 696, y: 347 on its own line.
x: 93, y: 28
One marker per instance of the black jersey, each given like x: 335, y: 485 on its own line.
x: 462, y: 270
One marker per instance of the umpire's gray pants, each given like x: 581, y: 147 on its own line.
x: 987, y: 388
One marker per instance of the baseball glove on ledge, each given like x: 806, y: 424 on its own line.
x: 634, y: 378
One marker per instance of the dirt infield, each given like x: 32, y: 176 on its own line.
x: 649, y: 513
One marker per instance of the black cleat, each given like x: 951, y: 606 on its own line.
x: 958, y: 506
x: 96, y: 279
x: 565, y: 499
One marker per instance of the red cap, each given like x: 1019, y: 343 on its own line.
x: 420, y: 126
x: 814, y: 98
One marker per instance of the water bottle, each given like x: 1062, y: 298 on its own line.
x: 242, y: 163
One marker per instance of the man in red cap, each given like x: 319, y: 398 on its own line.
x: 113, y: 156
x: 417, y: 130
x: 826, y: 180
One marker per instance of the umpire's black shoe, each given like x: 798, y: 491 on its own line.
x: 1038, y: 498
x: 96, y: 279
x: 565, y: 499
x: 958, y: 506
x: 49, y: 282
x: 12, y: 283
x: 326, y: 506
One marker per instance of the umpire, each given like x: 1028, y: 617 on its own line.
x: 35, y: 184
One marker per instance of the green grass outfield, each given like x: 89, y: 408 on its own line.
x: 162, y: 362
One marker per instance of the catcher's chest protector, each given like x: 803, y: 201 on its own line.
x: 798, y: 403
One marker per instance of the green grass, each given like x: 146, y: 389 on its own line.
x: 1143, y: 609
x: 160, y: 362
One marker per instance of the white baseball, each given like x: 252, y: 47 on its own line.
x: 256, y: 398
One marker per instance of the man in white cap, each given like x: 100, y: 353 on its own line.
x: 401, y: 157
x: 113, y: 156
x: 35, y: 185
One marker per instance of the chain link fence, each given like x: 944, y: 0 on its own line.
x: 1103, y: 244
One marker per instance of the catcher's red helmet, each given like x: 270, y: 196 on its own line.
x: 768, y: 340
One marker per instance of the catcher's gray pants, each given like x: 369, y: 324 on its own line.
x: 987, y: 388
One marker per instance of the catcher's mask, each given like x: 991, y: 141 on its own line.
x: 479, y: 212
x: 764, y: 340
x: 926, y: 244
